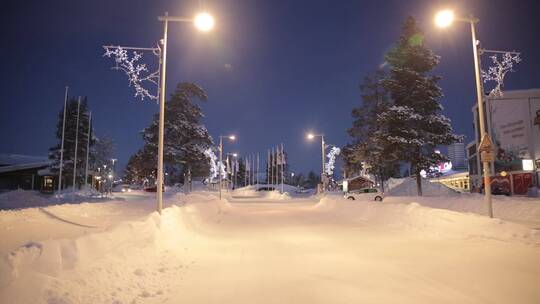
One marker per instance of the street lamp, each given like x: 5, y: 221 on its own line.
x: 312, y: 136
x: 444, y: 19
x: 232, y: 138
x: 203, y: 22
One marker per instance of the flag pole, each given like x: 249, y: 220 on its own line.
x: 87, y: 150
x: 76, y: 143
x: 62, y: 144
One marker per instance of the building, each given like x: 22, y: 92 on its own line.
x: 356, y: 183
x: 25, y: 172
x: 457, y: 180
x: 456, y: 154
x: 513, y: 122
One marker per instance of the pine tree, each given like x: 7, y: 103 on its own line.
x: 70, y: 135
x: 369, y: 148
x: 312, y: 180
x: 412, y: 126
x: 241, y: 174
x: 141, y: 167
x: 186, y: 138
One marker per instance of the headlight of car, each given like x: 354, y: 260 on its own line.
x: 129, y: 190
x: 123, y: 190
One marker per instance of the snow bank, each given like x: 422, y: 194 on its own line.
x: 25, y: 198
x: 22, y: 199
x: 518, y: 209
x: 407, y: 187
x: 252, y: 191
x: 433, y: 221
x: 37, y: 265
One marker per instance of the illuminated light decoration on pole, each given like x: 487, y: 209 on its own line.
x: 498, y: 72
x: 334, y: 152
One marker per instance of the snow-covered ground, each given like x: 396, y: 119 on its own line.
x: 262, y: 249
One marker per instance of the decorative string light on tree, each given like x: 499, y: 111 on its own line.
x: 502, y: 65
x: 138, y: 74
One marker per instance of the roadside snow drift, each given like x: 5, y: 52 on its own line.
x: 203, y: 250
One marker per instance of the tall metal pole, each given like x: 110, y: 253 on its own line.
x: 257, y: 168
x: 282, y: 160
x: 323, y: 151
x: 76, y: 143
x: 87, y: 150
x: 159, y: 189
x: 480, y: 96
x: 271, y: 181
x: 62, y: 144
x: 220, y: 163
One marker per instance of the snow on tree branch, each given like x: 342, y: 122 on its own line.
x: 334, y: 152
x: 498, y: 72
x: 138, y: 74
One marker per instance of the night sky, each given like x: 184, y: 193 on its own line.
x: 273, y: 70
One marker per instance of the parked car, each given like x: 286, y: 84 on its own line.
x: 365, y: 194
x: 121, y: 188
x: 266, y: 189
x: 153, y: 189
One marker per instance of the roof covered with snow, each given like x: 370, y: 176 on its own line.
x: 19, y: 159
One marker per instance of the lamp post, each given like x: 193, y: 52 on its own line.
x: 204, y: 22
x: 444, y: 19
x: 231, y: 137
x: 312, y: 136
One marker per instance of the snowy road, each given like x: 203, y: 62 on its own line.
x: 257, y: 250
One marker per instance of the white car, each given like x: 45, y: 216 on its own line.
x: 364, y: 194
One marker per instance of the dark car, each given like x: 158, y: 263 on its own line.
x: 266, y: 189
x: 153, y: 189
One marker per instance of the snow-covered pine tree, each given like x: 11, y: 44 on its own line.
x: 186, y: 138
x: 312, y: 180
x: 412, y: 126
x: 141, y: 167
x: 69, y: 142
x: 369, y: 146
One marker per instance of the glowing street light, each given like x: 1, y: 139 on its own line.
x: 204, y: 22
x: 444, y: 19
x: 312, y: 136
x: 232, y: 138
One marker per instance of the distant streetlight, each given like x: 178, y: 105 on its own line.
x: 444, y: 19
x: 312, y: 136
x: 232, y: 138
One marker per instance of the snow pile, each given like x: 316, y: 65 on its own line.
x: 22, y: 199
x: 433, y: 221
x: 108, y: 257
x: 408, y: 188
x: 393, y: 182
x: 252, y: 191
x: 519, y: 209
x: 26, y: 199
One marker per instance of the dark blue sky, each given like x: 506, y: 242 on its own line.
x: 272, y: 69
